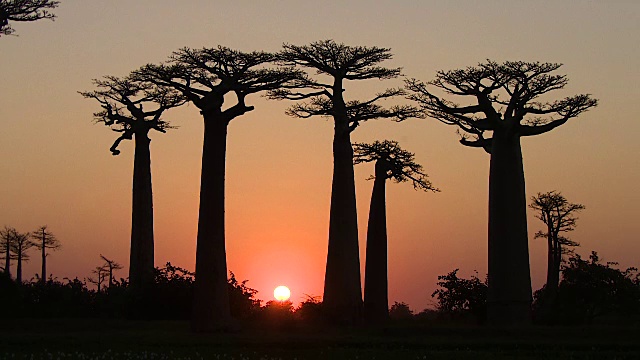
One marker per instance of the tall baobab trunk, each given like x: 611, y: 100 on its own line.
x: 551, y: 260
x: 376, y: 293
x: 509, y: 293
x: 342, y: 288
x: 141, y: 260
x: 43, y: 276
x: 211, y: 309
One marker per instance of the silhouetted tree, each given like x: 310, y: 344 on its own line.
x: 20, y: 245
x: 342, y: 291
x: 591, y: 289
x: 7, y: 238
x: 400, y: 311
x: 504, y: 102
x: 391, y: 162
x: 458, y: 296
x: 124, y: 103
x: 24, y: 10
x: 100, y: 273
x: 43, y: 239
x: 110, y: 266
x: 205, y: 76
x: 558, y: 215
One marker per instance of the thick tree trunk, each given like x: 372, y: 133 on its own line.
x: 141, y: 259
x: 551, y: 260
x: 43, y: 276
x: 509, y: 293
x: 211, y: 309
x: 376, y: 297
x: 342, y: 298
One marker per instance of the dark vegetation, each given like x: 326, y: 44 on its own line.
x: 24, y: 10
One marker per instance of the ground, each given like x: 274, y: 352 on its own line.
x: 119, y: 339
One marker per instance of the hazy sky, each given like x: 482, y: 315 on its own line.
x: 57, y: 169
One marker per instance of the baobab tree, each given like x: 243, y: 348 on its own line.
x: 19, y: 247
x: 342, y: 297
x: 504, y: 100
x: 391, y: 162
x: 559, y: 216
x: 24, y: 10
x: 44, y: 240
x: 110, y: 266
x: 134, y: 108
x: 204, y: 77
x: 7, y: 238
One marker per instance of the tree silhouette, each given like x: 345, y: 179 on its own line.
x: 342, y: 291
x: 7, y: 237
x: 19, y: 246
x: 43, y: 240
x: 110, y: 266
x: 205, y: 76
x: 505, y: 101
x: 558, y: 215
x: 24, y: 10
x: 391, y: 162
x: 101, y: 273
x: 124, y: 102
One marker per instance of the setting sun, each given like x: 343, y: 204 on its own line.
x: 281, y: 293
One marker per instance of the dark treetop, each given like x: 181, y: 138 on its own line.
x: 506, y: 95
x: 24, y: 10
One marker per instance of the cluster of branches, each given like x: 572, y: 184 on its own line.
x: 24, y: 10
x: 104, y: 273
x: 399, y: 164
x: 506, y: 96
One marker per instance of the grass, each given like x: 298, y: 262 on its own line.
x: 154, y: 340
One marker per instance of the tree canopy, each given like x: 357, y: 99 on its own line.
x: 24, y: 10
x: 506, y: 96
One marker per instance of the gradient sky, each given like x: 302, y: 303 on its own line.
x: 57, y: 169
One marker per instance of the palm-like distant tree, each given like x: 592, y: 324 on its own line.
x: 204, y: 77
x: 132, y: 109
x: 391, y: 162
x: 341, y: 63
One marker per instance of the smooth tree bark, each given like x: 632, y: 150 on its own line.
x: 391, y: 162
x: 44, y: 240
x: 123, y: 102
x: 204, y: 77
x: 559, y: 216
x: 24, y: 10
x: 504, y: 101
x: 20, y: 246
x: 339, y: 63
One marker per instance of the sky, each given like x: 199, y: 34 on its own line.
x: 57, y: 169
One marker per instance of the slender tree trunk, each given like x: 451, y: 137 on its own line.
x: 43, y: 276
x: 141, y: 259
x: 376, y: 297
x: 509, y: 293
x: 7, y: 260
x: 19, y: 269
x: 211, y: 309
x: 551, y: 260
x: 342, y: 285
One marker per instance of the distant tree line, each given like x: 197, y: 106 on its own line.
x: 15, y: 245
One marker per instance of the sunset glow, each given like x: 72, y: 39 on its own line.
x: 282, y: 293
